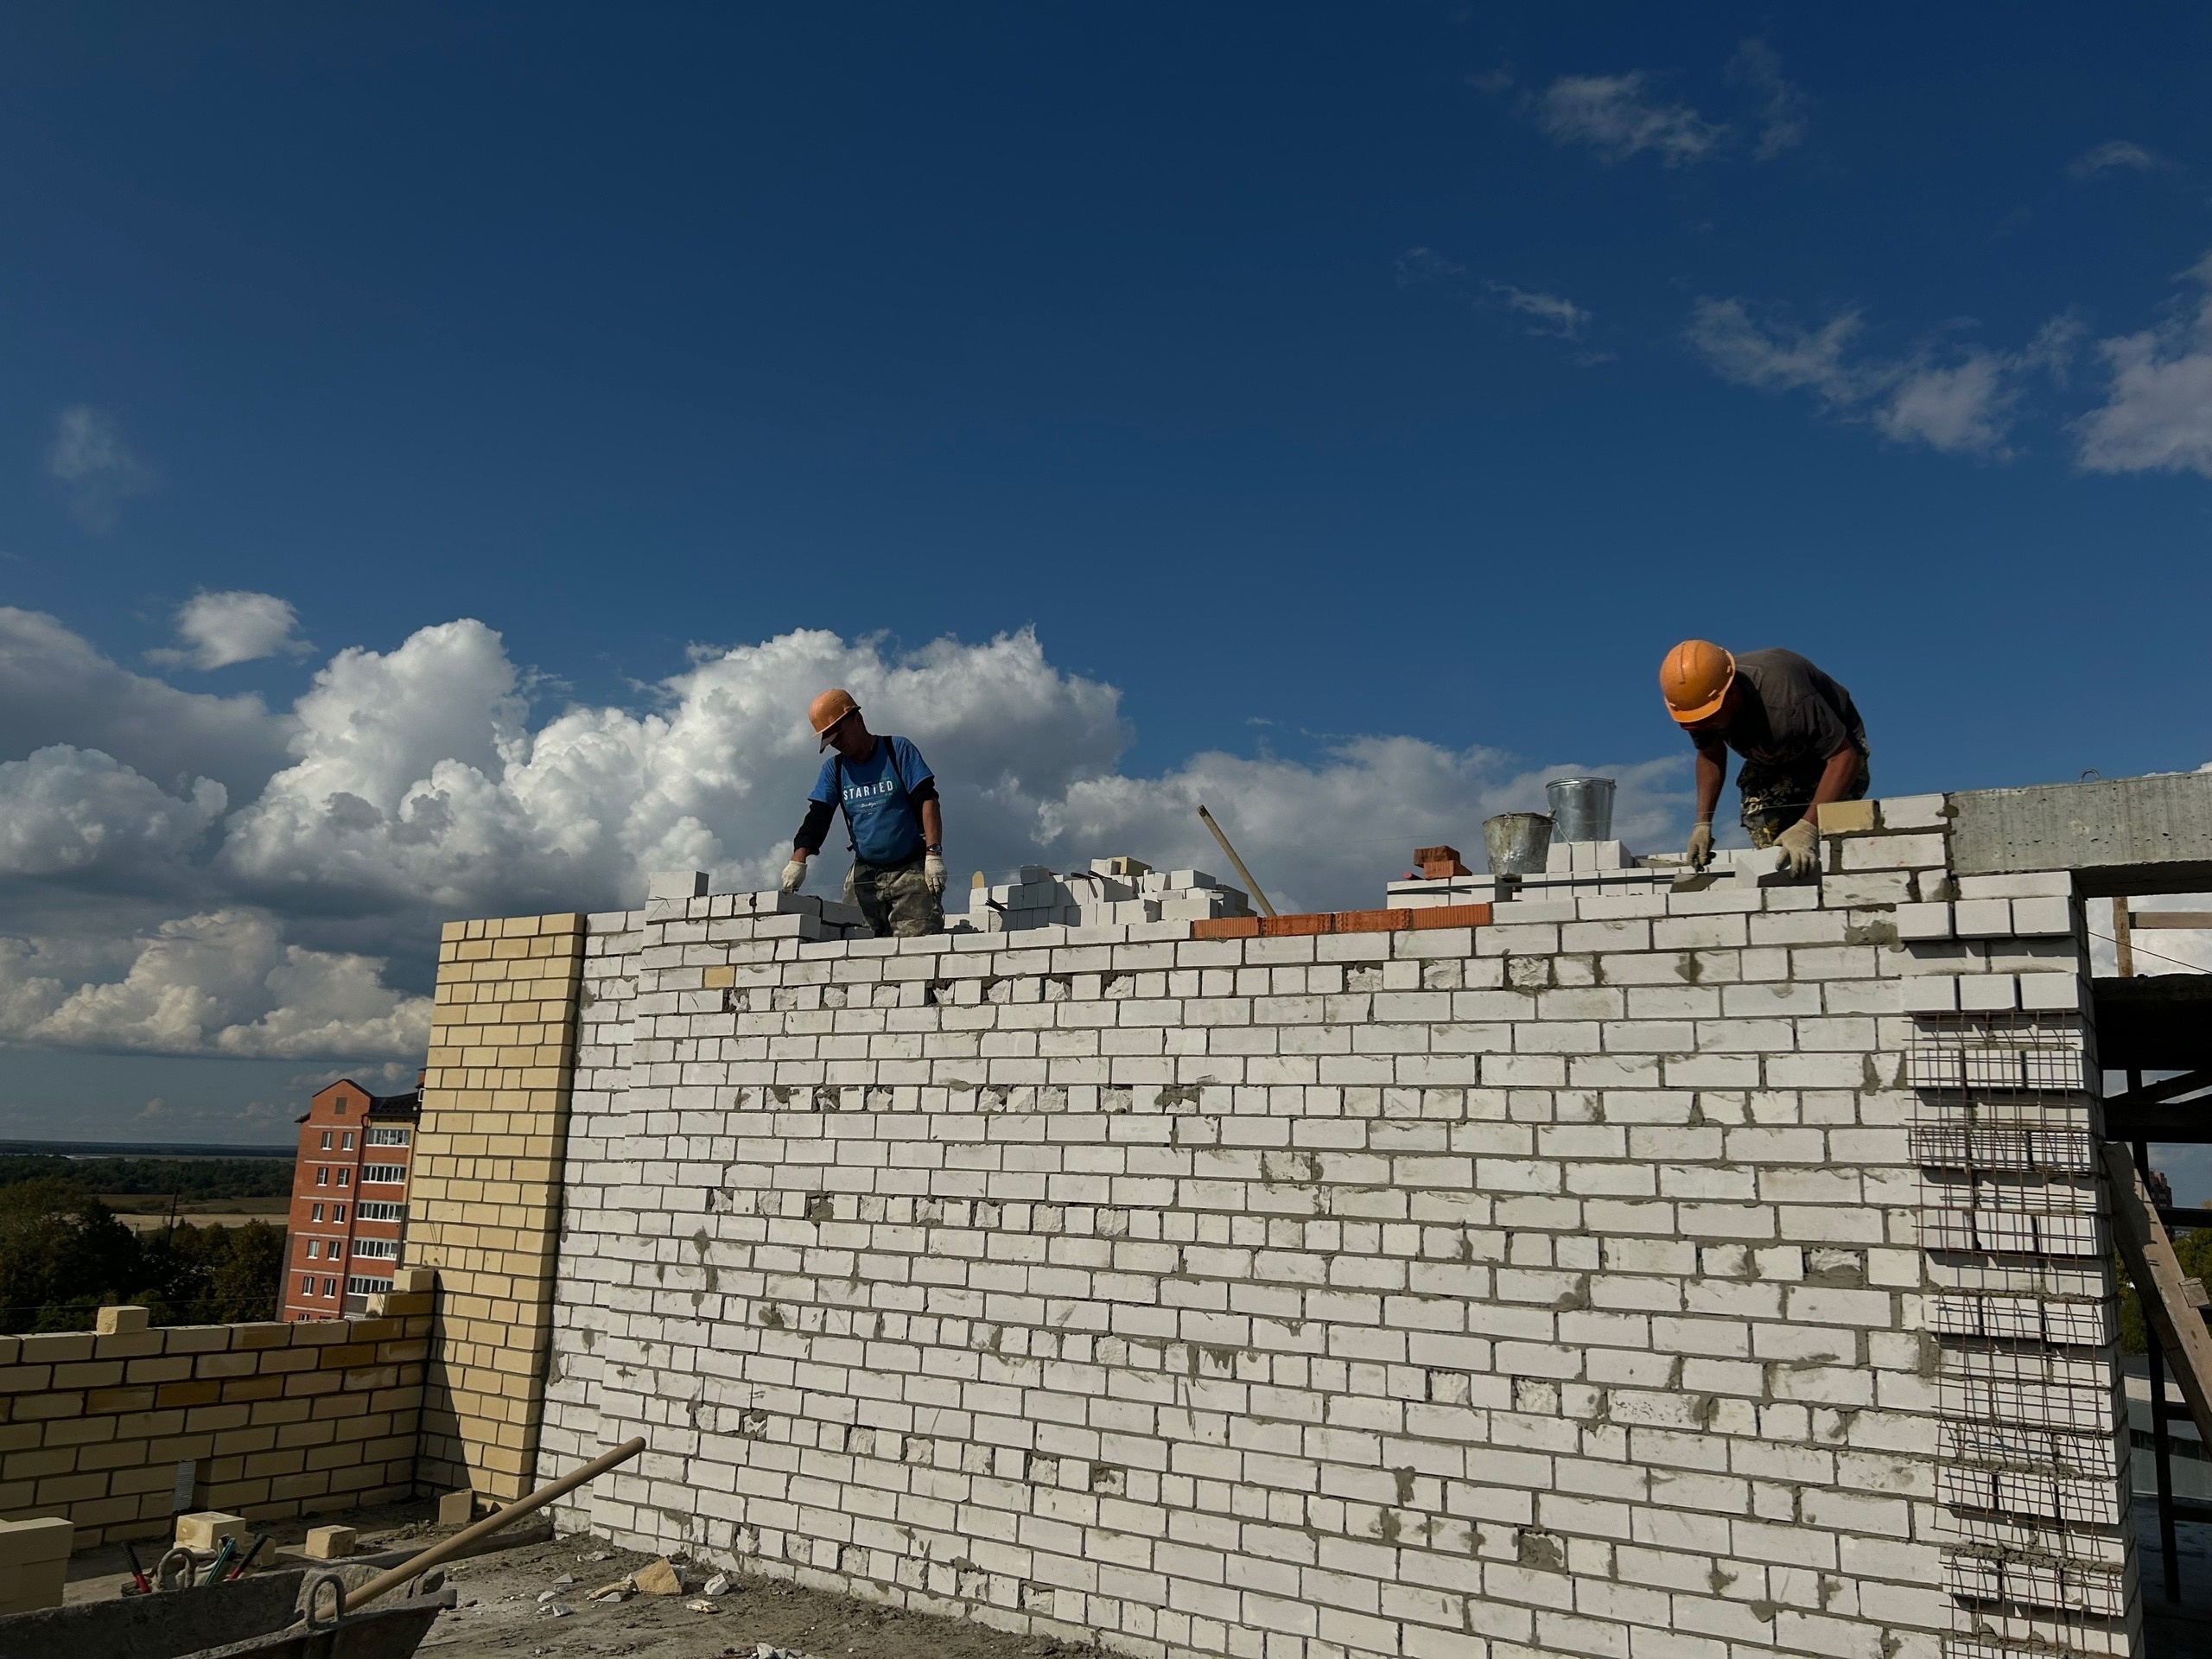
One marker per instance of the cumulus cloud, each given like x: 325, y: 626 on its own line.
x: 94, y: 464
x: 2157, y: 412
x: 55, y: 688
x: 69, y: 810
x: 419, y: 785
x: 1614, y: 116
x: 1957, y: 400
x: 238, y: 626
x: 2114, y: 153
x: 224, y: 983
x: 1781, y: 104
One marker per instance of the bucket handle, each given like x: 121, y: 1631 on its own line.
x: 316, y: 1585
x: 176, y: 1570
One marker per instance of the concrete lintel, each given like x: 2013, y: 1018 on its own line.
x: 2114, y: 835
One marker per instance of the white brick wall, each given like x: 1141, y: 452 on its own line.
x: 1554, y: 1285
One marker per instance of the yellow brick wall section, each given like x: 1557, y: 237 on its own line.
x: 277, y: 1419
x: 484, y: 1191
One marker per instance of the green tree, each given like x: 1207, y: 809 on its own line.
x: 62, y: 1254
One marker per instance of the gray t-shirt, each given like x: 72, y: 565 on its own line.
x: 1794, y: 713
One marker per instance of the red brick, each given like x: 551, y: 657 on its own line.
x: 1284, y: 927
x: 1374, y: 921
x: 1226, y: 927
x: 1452, y: 916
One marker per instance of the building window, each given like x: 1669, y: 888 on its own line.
x: 386, y: 1137
x: 345, y: 1177
x: 323, y: 1177
x: 393, y: 1174
x: 340, y: 1108
x: 315, y: 1249
x: 330, y: 1286
x: 385, y: 1249
x: 307, y: 1284
x: 337, y: 1250
x: 358, y: 1287
x: 317, y: 1215
x: 346, y: 1140
x: 326, y: 1140
x: 337, y: 1212
x: 369, y: 1212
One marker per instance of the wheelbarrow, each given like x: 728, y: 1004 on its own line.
x: 292, y: 1613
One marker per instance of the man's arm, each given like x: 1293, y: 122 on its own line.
x: 932, y: 825
x: 1712, y: 773
x: 813, y: 832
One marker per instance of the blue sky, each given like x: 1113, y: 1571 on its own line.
x: 1354, y: 403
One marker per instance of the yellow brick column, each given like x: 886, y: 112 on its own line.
x: 484, y: 1193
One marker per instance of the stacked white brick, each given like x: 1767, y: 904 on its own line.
x: 1112, y: 893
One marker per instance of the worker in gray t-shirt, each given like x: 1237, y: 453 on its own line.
x: 1802, y: 742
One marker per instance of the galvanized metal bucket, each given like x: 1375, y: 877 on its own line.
x: 1517, y: 842
x: 1582, y: 808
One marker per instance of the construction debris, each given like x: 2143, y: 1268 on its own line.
x: 658, y: 1578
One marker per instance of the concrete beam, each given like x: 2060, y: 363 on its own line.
x: 2130, y: 834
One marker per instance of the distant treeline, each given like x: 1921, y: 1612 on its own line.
x: 186, y: 1178
x: 63, y: 1255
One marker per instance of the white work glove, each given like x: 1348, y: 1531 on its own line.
x: 1801, y: 844
x: 1699, y: 853
x: 933, y: 872
x: 794, y: 872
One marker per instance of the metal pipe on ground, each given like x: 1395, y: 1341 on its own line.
x: 384, y: 1583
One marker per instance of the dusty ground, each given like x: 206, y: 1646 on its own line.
x: 500, y: 1613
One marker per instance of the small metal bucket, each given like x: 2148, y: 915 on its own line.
x: 1517, y: 842
x: 1582, y: 808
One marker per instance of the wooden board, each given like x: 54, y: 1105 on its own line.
x: 2159, y: 1281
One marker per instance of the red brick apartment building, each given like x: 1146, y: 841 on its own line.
x: 349, y: 1199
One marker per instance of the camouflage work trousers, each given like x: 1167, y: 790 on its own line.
x: 1776, y: 797
x: 895, y: 898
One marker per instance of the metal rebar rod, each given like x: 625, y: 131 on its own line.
x: 2161, y: 1448
x: 491, y: 1524
x: 1258, y: 898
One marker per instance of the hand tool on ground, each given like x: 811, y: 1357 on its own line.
x: 430, y: 1558
x: 138, y: 1573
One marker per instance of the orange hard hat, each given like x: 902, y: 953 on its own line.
x: 1694, y: 679
x: 826, y: 710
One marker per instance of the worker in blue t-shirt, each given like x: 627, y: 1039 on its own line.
x: 891, y: 811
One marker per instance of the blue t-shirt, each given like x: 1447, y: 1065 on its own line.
x: 878, y: 796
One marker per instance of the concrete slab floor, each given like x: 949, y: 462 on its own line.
x: 499, y: 1612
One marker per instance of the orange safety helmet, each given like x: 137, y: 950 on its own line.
x: 1694, y: 679
x: 826, y: 710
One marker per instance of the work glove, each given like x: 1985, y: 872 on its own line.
x: 1801, y: 844
x: 1699, y: 851
x: 933, y: 872
x: 794, y: 872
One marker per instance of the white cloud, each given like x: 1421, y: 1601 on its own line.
x: 92, y: 461
x: 2114, y: 153
x: 1549, y: 314
x: 224, y: 983
x: 419, y: 787
x: 67, y: 809
x: 1418, y: 265
x: 220, y: 629
x: 2157, y: 413
x: 1781, y: 105
x: 1960, y: 400
x: 1611, y: 114
x: 55, y: 688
